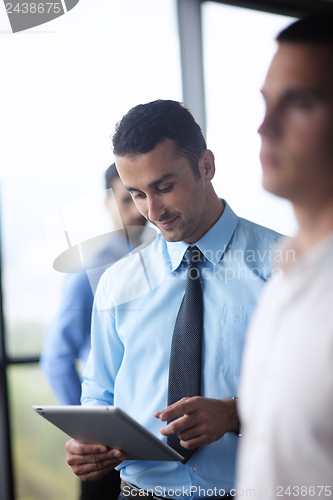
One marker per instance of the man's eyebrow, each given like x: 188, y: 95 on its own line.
x: 164, y: 178
x: 295, y: 91
x: 310, y: 91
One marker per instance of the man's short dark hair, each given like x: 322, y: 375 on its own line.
x: 310, y: 29
x: 147, y: 125
x: 110, y: 175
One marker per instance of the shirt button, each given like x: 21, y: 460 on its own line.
x: 195, y: 468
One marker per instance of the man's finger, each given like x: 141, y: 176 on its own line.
x: 86, y: 452
x: 86, y: 468
x: 195, y: 442
x: 80, y: 448
x: 193, y: 433
x: 87, y: 473
x: 182, y: 424
x: 96, y: 459
x: 181, y: 407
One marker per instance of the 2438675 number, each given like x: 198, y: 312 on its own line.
x: 33, y: 8
x: 303, y: 491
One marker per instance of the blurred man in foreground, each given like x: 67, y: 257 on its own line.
x: 68, y: 337
x: 286, y: 396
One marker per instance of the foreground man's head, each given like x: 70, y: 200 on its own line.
x: 297, y: 132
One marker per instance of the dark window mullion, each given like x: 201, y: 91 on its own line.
x: 6, y: 462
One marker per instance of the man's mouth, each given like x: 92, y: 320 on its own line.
x: 166, y: 224
x: 269, y: 160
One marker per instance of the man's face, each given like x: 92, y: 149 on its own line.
x: 122, y: 202
x: 297, y: 132
x: 166, y: 191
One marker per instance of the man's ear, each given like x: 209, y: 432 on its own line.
x: 207, y: 165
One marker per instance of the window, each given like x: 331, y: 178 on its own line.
x: 238, y: 47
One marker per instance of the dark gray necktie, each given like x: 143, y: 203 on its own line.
x: 185, y: 357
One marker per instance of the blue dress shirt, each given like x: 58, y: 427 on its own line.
x: 67, y: 339
x: 135, y: 310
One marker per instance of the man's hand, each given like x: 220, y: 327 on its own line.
x: 202, y: 420
x: 91, y: 461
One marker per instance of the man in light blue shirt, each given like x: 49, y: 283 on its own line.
x: 163, y: 162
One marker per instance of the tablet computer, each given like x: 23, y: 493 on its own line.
x: 109, y: 426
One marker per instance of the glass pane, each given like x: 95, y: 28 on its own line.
x: 238, y: 47
x: 72, y: 79
x: 40, y: 468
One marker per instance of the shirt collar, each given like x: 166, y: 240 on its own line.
x: 212, y: 245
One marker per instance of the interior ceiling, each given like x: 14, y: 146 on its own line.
x: 294, y: 8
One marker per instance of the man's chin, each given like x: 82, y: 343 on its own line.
x: 278, y: 189
x: 170, y: 236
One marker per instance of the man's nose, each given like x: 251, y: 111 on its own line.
x: 155, y: 208
x: 271, y: 125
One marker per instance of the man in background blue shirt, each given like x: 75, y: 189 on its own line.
x: 68, y: 337
x: 163, y: 162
